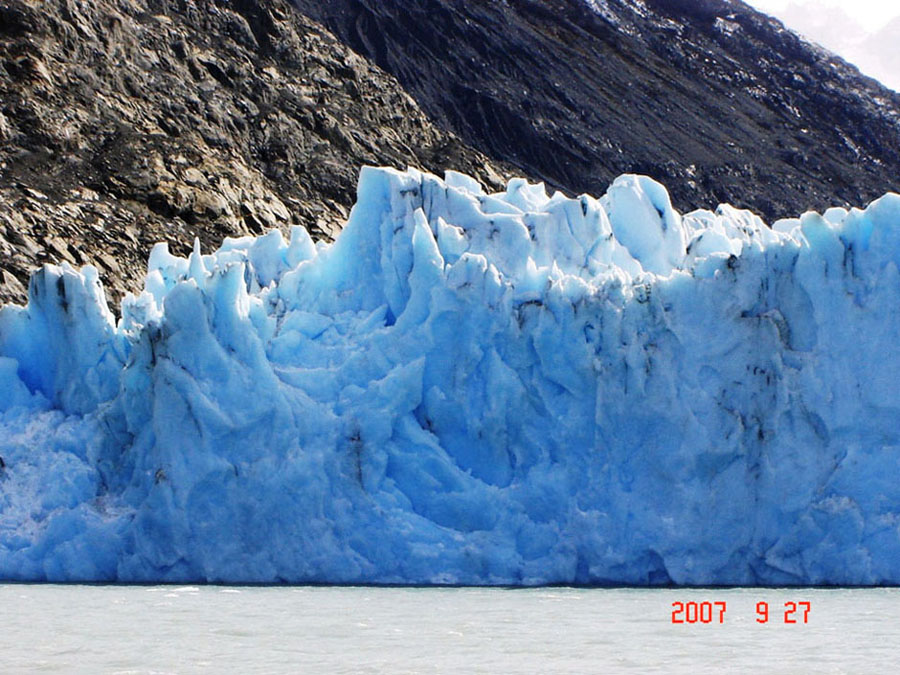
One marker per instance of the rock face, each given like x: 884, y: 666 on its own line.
x: 714, y: 99
x: 127, y: 122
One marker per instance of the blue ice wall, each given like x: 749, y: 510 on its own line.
x: 469, y: 388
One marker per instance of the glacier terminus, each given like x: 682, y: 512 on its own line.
x: 469, y: 388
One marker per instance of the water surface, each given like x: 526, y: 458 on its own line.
x: 116, y: 629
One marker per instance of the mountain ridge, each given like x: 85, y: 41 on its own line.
x: 124, y: 124
x: 716, y: 100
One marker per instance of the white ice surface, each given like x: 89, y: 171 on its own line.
x: 469, y: 388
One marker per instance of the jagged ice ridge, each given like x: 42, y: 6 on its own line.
x: 469, y: 388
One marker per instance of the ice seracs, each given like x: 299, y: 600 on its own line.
x: 511, y: 388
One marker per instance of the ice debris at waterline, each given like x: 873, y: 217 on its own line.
x: 469, y: 388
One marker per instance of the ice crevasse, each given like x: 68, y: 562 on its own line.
x: 469, y: 388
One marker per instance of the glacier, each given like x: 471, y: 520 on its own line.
x: 469, y: 388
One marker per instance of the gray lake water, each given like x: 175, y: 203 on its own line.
x: 116, y: 629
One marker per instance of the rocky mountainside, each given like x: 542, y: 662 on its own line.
x: 718, y: 101
x: 127, y: 122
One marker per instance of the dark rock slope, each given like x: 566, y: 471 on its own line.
x: 716, y: 100
x: 127, y: 122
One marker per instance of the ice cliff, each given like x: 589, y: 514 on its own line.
x: 469, y: 388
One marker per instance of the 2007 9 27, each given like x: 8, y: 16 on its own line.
x: 714, y: 612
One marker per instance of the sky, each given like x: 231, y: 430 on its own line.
x: 871, y: 14
x: 863, y: 32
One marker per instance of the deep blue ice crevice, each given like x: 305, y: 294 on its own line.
x: 469, y: 388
